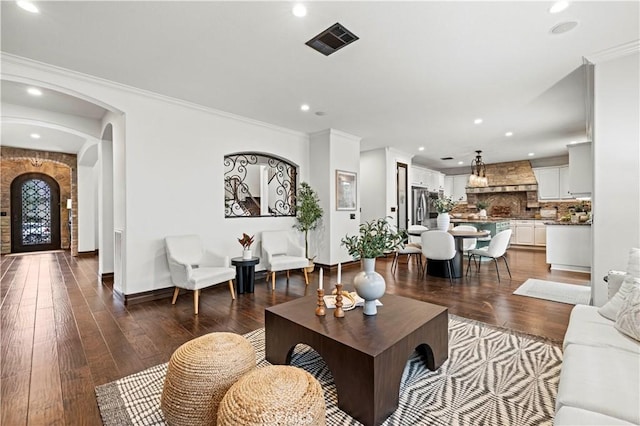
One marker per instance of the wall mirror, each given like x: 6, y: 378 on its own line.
x: 257, y: 185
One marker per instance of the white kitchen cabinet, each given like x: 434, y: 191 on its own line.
x: 525, y: 232
x: 539, y: 233
x: 564, y: 192
x: 514, y: 232
x: 448, y: 186
x: 580, y: 169
x: 459, y: 192
x: 569, y: 247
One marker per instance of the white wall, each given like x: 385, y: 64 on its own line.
x: 373, y: 179
x: 168, y: 169
x: 616, y: 149
x: 393, y: 157
x: 87, y: 184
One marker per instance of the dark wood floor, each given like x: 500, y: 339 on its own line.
x: 63, y: 331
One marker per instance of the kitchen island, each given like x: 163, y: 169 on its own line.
x: 493, y: 225
x: 569, y: 246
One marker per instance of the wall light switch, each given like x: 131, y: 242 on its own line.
x: 352, y: 216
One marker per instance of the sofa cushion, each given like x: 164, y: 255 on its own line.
x: 600, y: 379
x: 628, y: 319
x: 588, y: 327
x: 571, y: 416
x: 612, y: 307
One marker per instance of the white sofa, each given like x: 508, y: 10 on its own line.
x: 600, y: 375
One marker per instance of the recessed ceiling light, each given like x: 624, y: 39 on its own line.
x: 34, y: 136
x: 299, y: 10
x: 34, y: 92
x: 559, y: 6
x: 563, y: 27
x: 304, y: 107
x: 421, y: 148
x: 28, y: 6
x: 531, y: 154
x: 460, y: 162
x: 508, y: 134
x: 477, y: 121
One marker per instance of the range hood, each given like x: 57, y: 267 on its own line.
x: 514, y: 176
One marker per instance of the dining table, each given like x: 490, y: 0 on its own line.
x: 438, y: 268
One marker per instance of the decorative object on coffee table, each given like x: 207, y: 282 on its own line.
x: 199, y: 374
x: 375, y: 239
x: 276, y: 394
x: 320, y: 311
x: 338, y: 312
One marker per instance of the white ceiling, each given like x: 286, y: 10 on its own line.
x: 419, y: 75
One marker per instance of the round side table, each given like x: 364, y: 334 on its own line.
x: 245, y: 273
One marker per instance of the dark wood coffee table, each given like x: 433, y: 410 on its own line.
x: 366, y: 354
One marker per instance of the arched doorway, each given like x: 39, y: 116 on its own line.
x: 35, y: 213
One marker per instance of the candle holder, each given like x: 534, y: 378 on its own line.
x: 339, y: 312
x: 320, y: 311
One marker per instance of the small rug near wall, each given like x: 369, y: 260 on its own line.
x: 573, y: 294
x: 492, y: 377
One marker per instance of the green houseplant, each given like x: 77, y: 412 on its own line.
x: 308, y: 214
x: 376, y: 238
x: 444, y: 204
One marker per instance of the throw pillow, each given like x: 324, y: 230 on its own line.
x: 633, y: 268
x: 628, y: 319
x: 612, y: 307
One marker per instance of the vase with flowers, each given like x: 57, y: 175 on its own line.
x: 246, y: 242
x: 376, y: 238
x: 443, y: 206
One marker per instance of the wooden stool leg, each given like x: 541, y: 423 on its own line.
x: 196, y: 300
x: 233, y: 293
x: 175, y: 295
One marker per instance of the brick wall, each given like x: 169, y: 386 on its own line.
x: 60, y: 167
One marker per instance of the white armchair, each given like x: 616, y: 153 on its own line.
x: 193, y: 268
x: 281, y: 253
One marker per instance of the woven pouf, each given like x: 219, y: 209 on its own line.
x: 274, y: 395
x: 199, y: 374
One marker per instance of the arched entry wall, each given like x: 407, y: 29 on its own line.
x: 60, y: 167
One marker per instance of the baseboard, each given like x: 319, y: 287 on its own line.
x: 335, y: 267
x: 91, y: 253
x: 148, y: 296
x: 106, y: 275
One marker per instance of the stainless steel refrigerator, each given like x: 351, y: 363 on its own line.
x: 424, y: 212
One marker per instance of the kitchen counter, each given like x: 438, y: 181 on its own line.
x: 487, y: 220
x: 558, y: 222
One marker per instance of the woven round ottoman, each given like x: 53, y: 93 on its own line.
x: 273, y: 395
x: 199, y: 374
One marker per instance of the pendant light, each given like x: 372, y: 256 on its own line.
x: 478, y: 177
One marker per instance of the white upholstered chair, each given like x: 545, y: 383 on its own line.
x: 496, y: 249
x: 413, y: 239
x: 194, y: 268
x: 439, y: 245
x: 467, y: 243
x: 281, y: 253
x: 409, y: 250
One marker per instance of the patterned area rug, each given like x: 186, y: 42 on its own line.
x: 573, y: 294
x: 492, y: 377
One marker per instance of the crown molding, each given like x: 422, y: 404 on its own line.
x: 614, y: 52
x: 65, y: 72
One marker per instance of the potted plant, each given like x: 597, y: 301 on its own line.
x: 246, y: 242
x: 308, y: 215
x: 482, y: 207
x: 375, y: 239
x: 443, y: 206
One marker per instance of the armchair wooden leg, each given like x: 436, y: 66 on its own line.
x: 196, y: 300
x: 233, y: 293
x: 287, y: 275
x: 273, y: 280
x: 175, y: 295
x: 306, y: 277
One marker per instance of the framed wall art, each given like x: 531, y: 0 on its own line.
x: 346, y: 190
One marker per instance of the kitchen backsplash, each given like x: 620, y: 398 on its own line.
x: 516, y: 204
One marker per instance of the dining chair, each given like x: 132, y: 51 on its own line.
x: 413, y: 239
x: 467, y: 243
x: 282, y: 253
x: 193, y: 268
x: 439, y: 245
x: 410, y: 250
x: 496, y: 249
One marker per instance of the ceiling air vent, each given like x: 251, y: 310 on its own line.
x: 333, y: 38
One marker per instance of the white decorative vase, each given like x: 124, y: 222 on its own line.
x: 369, y: 285
x: 442, y: 221
x: 246, y: 254
x: 482, y: 213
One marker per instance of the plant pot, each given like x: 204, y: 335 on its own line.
x: 369, y: 285
x: 442, y: 222
x: 482, y: 213
x: 246, y: 254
